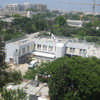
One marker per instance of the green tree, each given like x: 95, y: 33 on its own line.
x: 30, y: 74
x: 13, y: 94
x: 2, y: 53
x: 73, y: 78
x: 60, y: 20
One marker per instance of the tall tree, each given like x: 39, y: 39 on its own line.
x: 74, y: 78
x: 60, y: 20
x: 2, y: 54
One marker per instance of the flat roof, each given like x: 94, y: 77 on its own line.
x: 30, y: 88
x: 78, y: 45
x: 34, y: 38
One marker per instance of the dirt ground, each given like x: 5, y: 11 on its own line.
x: 23, y: 68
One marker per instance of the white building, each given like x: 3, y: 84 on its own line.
x: 40, y: 92
x: 9, y: 20
x: 16, y: 51
x: 29, y: 14
x: 47, y: 49
x: 76, y: 23
x: 14, y: 7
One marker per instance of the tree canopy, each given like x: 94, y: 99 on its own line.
x: 52, y: 22
x: 73, y: 78
x: 60, y: 20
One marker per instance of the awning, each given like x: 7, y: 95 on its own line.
x: 42, y: 54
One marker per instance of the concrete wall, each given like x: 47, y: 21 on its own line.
x: 11, y: 53
x: 76, y: 51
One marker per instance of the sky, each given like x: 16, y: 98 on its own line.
x: 53, y: 4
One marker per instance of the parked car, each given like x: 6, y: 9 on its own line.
x: 32, y: 64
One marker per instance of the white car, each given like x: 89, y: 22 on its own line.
x: 33, y: 63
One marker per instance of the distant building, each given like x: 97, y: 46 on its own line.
x: 29, y: 14
x: 76, y: 23
x: 26, y: 5
x: 1, y: 9
x: 91, y: 13
x: 40, y: 7
x: 47, y: 49
x: 14, y: 7
x: 9, y: 20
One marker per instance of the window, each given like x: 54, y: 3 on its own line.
x: 84, y: 52
x: 44, y: 47
x: 34, y: 46
x: 71, y: 49
x: 80, y: 51
x: 50, y: 48
x: 23, y: 50
x: 16, y: 52
x: 19, y: 52
x: 39, y: 46
x: 27, y: 48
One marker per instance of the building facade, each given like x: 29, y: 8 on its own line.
x: 48, y: 49
x: 21, y: 9
x: 76, y: 23
x: 14, y: 7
